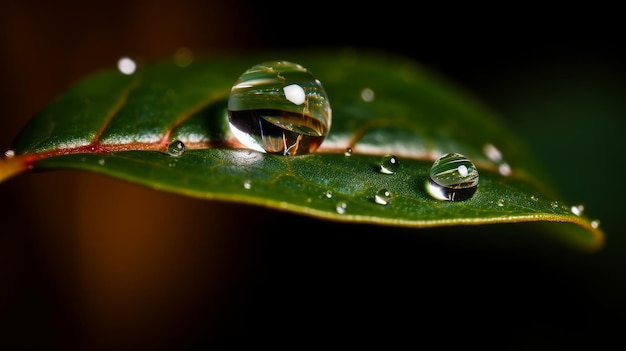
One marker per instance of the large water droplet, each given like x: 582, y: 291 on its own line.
x: 341, y: 207
x: 176, y: 148
x: 279, y: 107
x: 389, y: 164
x: 453, y: 177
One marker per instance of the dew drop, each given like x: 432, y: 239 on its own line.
x: 341, y: 207
x: 595, y: 224
x: 101, y: 162
x: 279, y: 107
x: 500, y: 203
x: 578, y: 209
x: 492, y: 152
x: 367, y: 95
x: 389, y: 164
x: 247, y: 184
x: 504, y: 169
x: 9, y: 153
x: 348, y: 152
x: 328, y: 194
x: 383, y: 197
x: 453, y: 177
x: 126, y: 65
x: 176, y: 148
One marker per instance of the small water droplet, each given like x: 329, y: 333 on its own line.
x: 328, y: 194
x: 383, y: 197
x: 247, y: 184
x: 504, y: 169
x: 341, y: 207
x: 554, y: 204
x: 534, y: 198
x: 578, y: 209
x: 492, y: 152
x: 453, y: 177
x: 9, y: 153
x: 126, y: 65
x: 176, y: 148
x: 279, y: 107
x: 595, y: 224
x: 348, y: 152
x: 500, y: 202
x: 367, y: 95
x: 389, y: 164
x: 101, y: 162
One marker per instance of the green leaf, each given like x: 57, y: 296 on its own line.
x: 120, y: 125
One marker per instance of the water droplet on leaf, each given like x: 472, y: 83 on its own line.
x: 126, y: 65
x: 453, y: 177
x: 383, y: 197
x: 348, y: 152
x: 341, y: 207
x: 176, y: 148
x: 279, y: 107
x: 9, y: 153
x: 247, y: 184
x: 389, y: 164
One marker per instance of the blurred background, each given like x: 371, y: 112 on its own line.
x: 88, y: 261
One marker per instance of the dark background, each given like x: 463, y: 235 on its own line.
x: 87, y: 261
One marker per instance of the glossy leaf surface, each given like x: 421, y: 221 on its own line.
x: 120, y: 125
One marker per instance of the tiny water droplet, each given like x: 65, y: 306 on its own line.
x: 341, y: 207
x: 367, y: 95
x: 279, y: 107
x: 328, y: 194
x: 504, y: 169
x: 595, y: 224
x: 176, y: 148
x: 554, y: 204
x: 578, y: 209
x: 492, y: 152
x: 389, y: 164
x: 126, y: 65
x: 500, y: 202
x: 101, y: 162
x: 534, y: 198
x: 9, y: 153
x: 383, y: 197
x: 453, y: 177
x: 247, y: 184
x: 348, y: 152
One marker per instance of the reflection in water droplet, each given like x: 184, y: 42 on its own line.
x: 389, y: 164
x: 247, y: 184
x: 383, y: 197
x: 279, y: 107
x: 9, y: 153
x: 453, y: 177
x: 348, y: 152
x: 367, y: 95
x: 578, y: 210
x: 176, y: 148
x: 126, y: 65
x: 341, y: 207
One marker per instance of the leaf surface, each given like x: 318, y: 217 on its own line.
x: 120, y: 125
